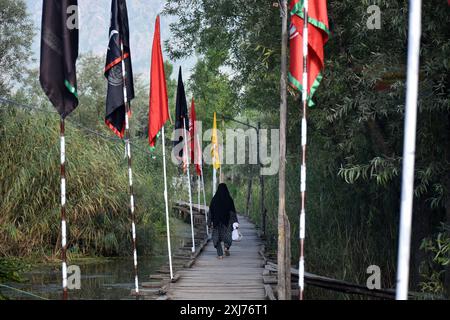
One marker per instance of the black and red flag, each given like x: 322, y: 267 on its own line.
x: 118, y: 51
x: 181, y: 112
x: 59, y: 53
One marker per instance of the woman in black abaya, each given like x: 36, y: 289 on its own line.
x: 222, y: 215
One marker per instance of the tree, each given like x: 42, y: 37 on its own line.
x: 212, y: 91
x: 16, y: 36
x: 356, y: 130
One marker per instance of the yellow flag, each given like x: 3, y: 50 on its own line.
x: 215, y: 146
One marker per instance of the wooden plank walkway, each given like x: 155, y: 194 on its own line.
x: 237, y: 277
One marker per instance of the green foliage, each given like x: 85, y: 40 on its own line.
x: 97, y: 180
x: 16, y: 35
x: 433, y: 270
x: 381, y: 169
x: 355, y: 132
x: 354, y: 145
x: 10, y: 270
x: 97, y: 209
x: 212, y: 92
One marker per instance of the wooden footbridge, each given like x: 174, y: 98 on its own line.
x: 244, y: 275
x: 236, y: 277
x: 202, y: 276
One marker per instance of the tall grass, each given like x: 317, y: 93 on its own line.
x: 97, y: 190
x: 348, y: 227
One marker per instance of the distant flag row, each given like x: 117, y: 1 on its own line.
x: 59, y: 81
x: 59, y: 52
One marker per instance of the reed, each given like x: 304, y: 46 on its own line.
x: 97, y: 202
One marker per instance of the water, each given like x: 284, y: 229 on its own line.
x: 112, y: 279
x: 109, y: 279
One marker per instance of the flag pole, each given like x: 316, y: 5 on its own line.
x: 214, y: 180
x: 130, y: 171
x: 204, y: 201
x: 404, y: 246
x: 199, y: 191
x: 186, y: 155
x: 63, y: 208
x: 203, y: 184
x: 166, y: 200
x: 301, y: 278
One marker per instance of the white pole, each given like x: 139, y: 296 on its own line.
x: 186, y: 155
x: 409, y: 146
x: 203, y: 184
x: 214, y: 181
x: 204, y: 201
x: 166, y: 200
x: 63, y: 209
x: 302, y: 228
x: 130, y: 172
x: 199, y: 191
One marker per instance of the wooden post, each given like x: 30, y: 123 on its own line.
x: 284, y: 274
x: 261, y: 182
x: 250, y: 181
x: 249, y: 192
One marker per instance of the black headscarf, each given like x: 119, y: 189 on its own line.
x: 221, y: 205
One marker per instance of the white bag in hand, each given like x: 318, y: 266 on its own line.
x: 236, y: 235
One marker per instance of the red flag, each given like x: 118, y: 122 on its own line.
x: 159, y: 104
x: 195, y: 151
x: 318, y: 32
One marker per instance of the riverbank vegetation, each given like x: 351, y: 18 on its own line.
x: 355, y: 141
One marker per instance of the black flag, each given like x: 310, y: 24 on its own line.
x: 181, y: 111
x: 59, y: 53
x: 118, y: 36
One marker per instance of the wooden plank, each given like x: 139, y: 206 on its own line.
x: 234, y: 278
x: 152, y: 284
x: 157, y: 277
